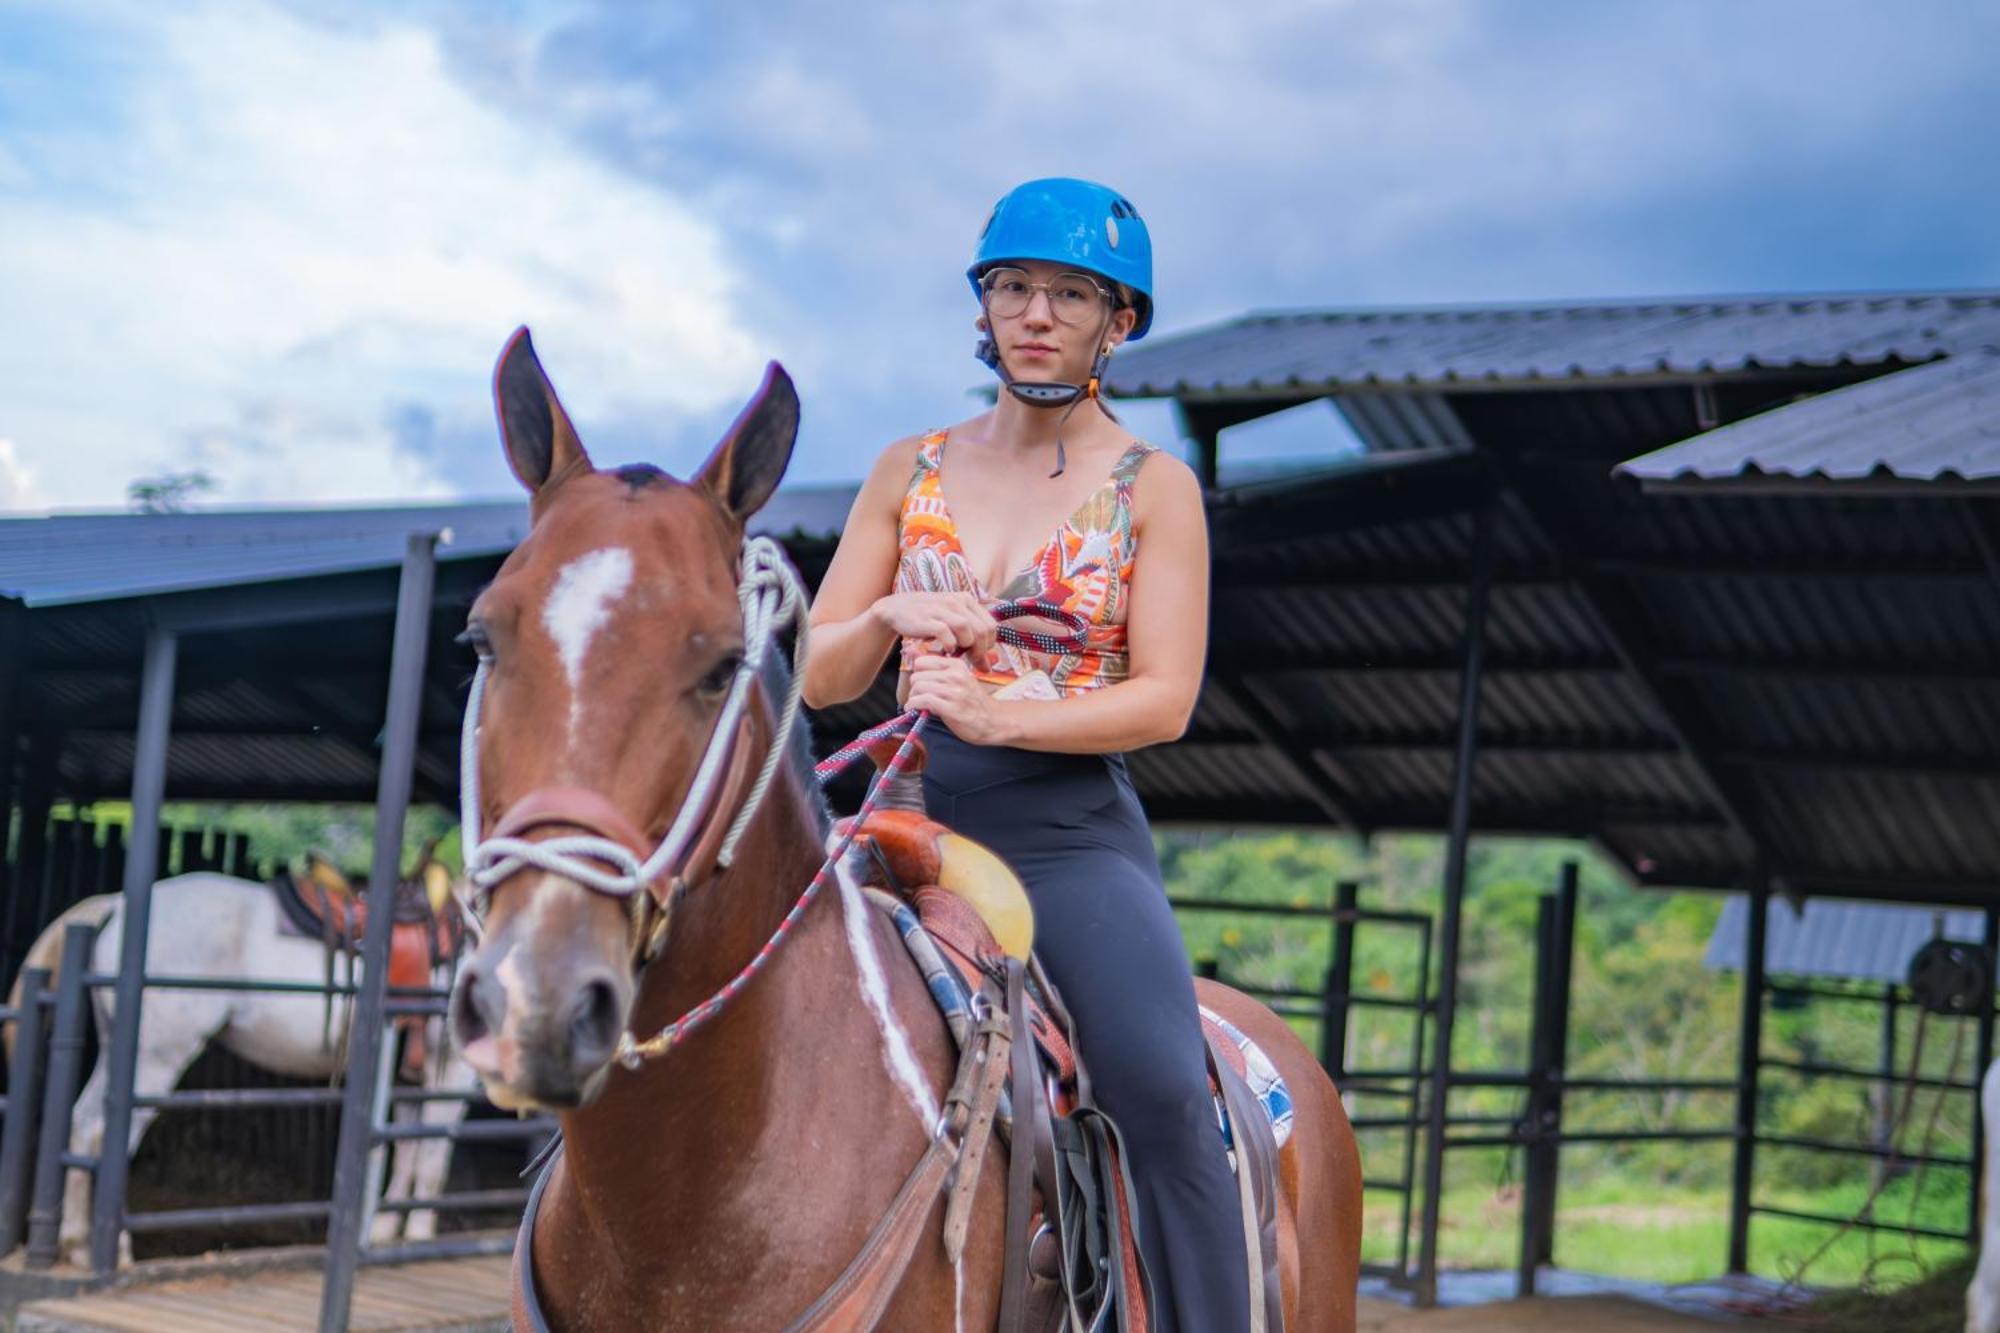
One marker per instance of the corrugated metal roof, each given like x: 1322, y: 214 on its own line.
x: 70, y: 558
x: 1302, y: 351
x: 1937, y: 422
x: 1854, y: 941
x: 1823, y: 673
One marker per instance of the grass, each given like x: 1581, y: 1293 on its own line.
x: 1934, y: 1305
x: 1622, y: 1226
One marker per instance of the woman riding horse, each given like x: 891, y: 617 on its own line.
x: 1029, y: 758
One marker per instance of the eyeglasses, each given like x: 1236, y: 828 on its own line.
x: 1074, y: 298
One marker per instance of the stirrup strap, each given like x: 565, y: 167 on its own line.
x: 1020, y: 1159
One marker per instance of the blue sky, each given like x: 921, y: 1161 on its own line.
x: 283, y: 243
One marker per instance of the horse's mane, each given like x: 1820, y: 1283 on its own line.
x: 776, y: 678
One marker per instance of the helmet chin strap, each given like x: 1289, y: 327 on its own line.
x: 1052, y: 393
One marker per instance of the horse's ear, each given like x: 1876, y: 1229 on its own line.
x: 542, y: 446
x: 747, y: 466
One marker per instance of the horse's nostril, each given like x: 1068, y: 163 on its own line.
x: 478, y: 1007
x: 594, y: 1024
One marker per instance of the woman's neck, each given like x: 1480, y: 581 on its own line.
x: 1014, y: 427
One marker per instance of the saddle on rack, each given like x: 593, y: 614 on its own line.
x: 1072, y: 1251
x: 323, y: 904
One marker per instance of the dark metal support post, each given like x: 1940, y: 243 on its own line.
x: 1750, y: 1045
x: 149, y: 783
x: 1339, y: 982
x: 1413, y: 1107
x: 31, y: 860
x: 1555, y: 938
x: 1983, y: 1061
x: 24, y: 1093
x: 364, y: 1035
x: 111, y: 866
x: 59, y: 1095
x: 1531, y: 1127
x: 59, y: 883
x: 13, y: 665
x: 1882, y: 1097
x: 1203, y: 436
x: 1565, y: 967
x: 1476, y: 597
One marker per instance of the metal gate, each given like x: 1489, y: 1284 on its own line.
x: 1333, y: 1007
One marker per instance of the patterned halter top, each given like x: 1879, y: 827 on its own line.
x: 1084, y: 568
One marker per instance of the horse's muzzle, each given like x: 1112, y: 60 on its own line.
x: 538, y: 1013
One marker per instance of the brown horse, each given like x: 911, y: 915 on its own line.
x: 726, y: 1184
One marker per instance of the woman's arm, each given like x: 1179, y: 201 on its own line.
x: 1166, y: 627
x: 848, y: 644
x: 857, y: 616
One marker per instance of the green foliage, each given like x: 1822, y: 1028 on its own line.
x: 280, y: 834
x: 169, y: 493
x: 1934, y: 1305
x: 1643, y: 1007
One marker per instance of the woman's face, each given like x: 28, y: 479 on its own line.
x: 1049, y: 321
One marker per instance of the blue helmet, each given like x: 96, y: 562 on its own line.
x: 1067, y: 221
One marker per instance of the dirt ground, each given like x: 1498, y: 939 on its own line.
x: 1545, y: 1314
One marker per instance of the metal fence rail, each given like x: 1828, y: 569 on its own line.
x: 65, y: 860
x: 20, y: 1106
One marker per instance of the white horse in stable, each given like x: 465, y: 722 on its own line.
x: 214, y: 926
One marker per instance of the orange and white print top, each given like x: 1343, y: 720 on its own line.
x: 1085, y: 568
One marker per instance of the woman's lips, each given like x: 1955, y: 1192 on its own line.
x: 1035, y: 349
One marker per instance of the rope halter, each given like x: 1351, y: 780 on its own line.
x: 773, y: 598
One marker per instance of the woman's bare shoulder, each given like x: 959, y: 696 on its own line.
x: 1161, y: 478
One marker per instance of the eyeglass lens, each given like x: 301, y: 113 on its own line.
x: 1074, y: 298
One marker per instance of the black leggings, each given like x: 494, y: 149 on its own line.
x: 1072, y: 828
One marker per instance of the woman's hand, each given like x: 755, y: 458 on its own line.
x: 941, y: 620
x: 948, y: 689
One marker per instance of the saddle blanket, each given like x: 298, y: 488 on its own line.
x: 1259, y: 1074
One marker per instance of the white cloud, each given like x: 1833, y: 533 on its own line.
x: 292, y: 231
x: 315, y: 234
x: 17, y: 481
x: 1290, y: 154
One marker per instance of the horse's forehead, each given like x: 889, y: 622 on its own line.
x: 661, y: 528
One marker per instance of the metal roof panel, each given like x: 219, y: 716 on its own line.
x: 1553, y: 343
x: 1929, y: 423
x: 1854, y: 941
x: 68, y: 558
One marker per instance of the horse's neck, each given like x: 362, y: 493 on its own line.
x: 710, y: 1144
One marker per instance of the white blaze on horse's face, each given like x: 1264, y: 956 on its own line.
x: 579, y: 604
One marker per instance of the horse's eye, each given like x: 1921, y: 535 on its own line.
x: 722, y: 675
x: 476, y: 638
